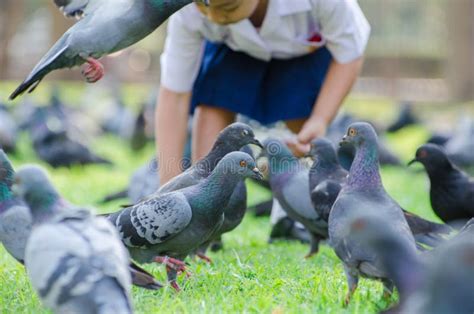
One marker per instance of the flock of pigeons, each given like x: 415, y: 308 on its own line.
x: 80, y: 262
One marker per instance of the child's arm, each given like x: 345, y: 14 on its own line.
x: 180, y: 62
x: 171, y: 120
x: 346, y: 31
x: 338, y: 83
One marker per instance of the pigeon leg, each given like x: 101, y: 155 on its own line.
x: 387, y: 289
x: 171, y: 274
x: 204, y: 257
x: 93, y: 70
x: 352, y: 281
x: 314, y: 246
x: 172, y: 263
x: 201, y: 252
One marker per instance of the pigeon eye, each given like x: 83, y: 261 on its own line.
x: 245, y: 132
x: 243, y: 163
x: 352, y: 132
x: 423, y: 154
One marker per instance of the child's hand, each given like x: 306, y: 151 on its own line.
x: 313, y: 128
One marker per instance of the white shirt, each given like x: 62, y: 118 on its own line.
x: 291, y: 28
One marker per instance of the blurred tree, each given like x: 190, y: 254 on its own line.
x: 460, y: 61
x: 11, y: 15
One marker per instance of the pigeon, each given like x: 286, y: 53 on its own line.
x: 139, y: 137
x: 326, y: 176
x: 405, y: 118
x: 364, y: 194
x: 8, y: 131
x: 439, y: 139
x: 234, y: 213
x: 15, y: 217
x: 232, y: 138
x: 440, y: 281
x: 167, y: 227
x: 75, y: 261
x: 289, y: 183
x: 53, y: 143
x: 451, y: 191
x: 73, y: 8
x: 326, y: 179
x: 346, y: 153
x: 460, y: 147
x: 62, y: 151
x: 107, y: 26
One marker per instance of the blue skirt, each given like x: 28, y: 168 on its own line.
x: 264, y: 91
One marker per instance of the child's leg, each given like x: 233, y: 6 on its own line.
x: 208, y: 122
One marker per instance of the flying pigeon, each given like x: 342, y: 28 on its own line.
x: 106, y: 26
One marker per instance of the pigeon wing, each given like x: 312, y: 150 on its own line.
x: 15, y: 228
x: 154, y: 220
x: 296, y: 194
x: 69, y: 260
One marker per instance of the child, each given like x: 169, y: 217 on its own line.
x: 270, y: 60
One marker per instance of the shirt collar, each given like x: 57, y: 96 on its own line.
x: 275, y: 11
x: 285, y: 7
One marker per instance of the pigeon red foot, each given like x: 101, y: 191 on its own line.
x: 92, y: 70
x: 173, y: 263
x: 204, y: 258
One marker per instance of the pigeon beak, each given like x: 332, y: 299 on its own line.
x: 256, y: 142
x: 343, y: 141
x: 257, y: 174
x: 411, y: 162
x: 15, y: 189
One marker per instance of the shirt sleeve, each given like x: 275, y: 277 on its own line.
x: 344, y: 27
x: 182, y: 54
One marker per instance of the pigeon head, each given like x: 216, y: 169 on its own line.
x: 33, y: 185
x: 358, y: 134
x: 273, y: 147
x: 323, y: 149
x: 237, y: 135
x: 6, y: 171
x: 432, y: 157
x: 280, y: 158
x: 240, y: 164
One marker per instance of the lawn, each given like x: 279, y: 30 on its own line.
x: 249, y: 275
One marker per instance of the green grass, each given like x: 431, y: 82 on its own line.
x: 249, y: 275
